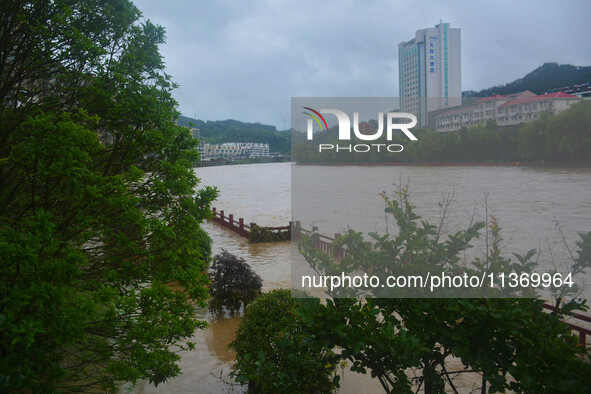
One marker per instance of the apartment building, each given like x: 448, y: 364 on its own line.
x: 242, y: 150
x: 505, y: 110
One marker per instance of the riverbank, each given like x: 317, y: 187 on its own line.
x: 454, y: 164
x: 225, y: 162
x: 286, y: 159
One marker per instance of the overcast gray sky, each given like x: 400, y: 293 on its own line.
x: 244, y: 60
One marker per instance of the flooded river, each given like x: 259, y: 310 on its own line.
x: 526, y: 201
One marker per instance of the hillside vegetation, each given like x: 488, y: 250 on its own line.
x: 220, y: 131
x: 546, y: 77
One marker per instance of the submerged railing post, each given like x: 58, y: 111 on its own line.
x: 241, y: 226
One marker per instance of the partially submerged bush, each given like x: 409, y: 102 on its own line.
x: 269, y: 234
x: 233, y: 283
x: 276, y: 353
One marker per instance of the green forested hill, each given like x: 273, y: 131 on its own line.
x: 220, y: 131
x: 546, y: 77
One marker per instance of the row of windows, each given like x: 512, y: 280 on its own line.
x: 502, y: 111
x: 444, y: 126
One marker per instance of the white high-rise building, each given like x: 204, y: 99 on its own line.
x: 430, y: 72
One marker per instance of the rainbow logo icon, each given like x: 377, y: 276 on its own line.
x: 316, y: 118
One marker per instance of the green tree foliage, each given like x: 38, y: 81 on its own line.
x: 99, y: 209
x: 220, y: 131
x: 233, y: 283
x: 275, y: 353
x: 562, y: 138
x: 512, y: 343
x: 269, y: 234
x: 544, y: 78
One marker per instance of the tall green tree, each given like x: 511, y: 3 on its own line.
x: 99, y: 209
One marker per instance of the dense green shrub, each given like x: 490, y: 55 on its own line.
x: 233, y: 283
x: 275, y: 353
x: 269, y: 234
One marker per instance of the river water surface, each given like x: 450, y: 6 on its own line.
x: 526, y: 201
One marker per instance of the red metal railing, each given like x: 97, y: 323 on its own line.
x: 238, y: 226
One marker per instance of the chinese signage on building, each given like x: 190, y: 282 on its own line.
x: 432, y: 63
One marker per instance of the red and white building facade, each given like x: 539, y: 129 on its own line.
x: 505, y: 110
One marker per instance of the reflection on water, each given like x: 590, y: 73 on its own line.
x: 525, y: 200
x: 219, y: 335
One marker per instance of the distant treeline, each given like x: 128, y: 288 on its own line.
x: 221, y: 131
x: 544, y: 78
x: 564, y: 138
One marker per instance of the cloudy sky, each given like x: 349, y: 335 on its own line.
x: 244, y: 60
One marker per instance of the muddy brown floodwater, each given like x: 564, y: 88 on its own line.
x: 526, y: 201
